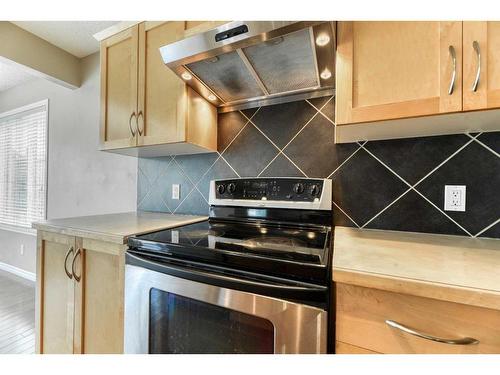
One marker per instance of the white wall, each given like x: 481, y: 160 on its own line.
x: 81, y: 179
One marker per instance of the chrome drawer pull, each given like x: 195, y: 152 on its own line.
x: 77, y: 278
x: 453, y: 55
x: 462, y: 341
x: 475, y: 45
x: 137, y: 123
x: 130, y: 123
x: 66, y: 261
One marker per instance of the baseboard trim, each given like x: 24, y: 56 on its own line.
x: 18, y: 271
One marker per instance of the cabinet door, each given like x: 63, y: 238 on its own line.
x: 161, y: 115
x: 481, y: 62
x: 102, y: 298
x: 389, y: 70
x: 196, y: 27
x: 119, y: 55
x: 55, y: 294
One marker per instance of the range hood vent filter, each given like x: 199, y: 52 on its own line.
x: 227, y: 76
x: 286, y: 63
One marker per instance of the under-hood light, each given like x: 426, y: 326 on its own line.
x: 186, y: 76
x: 212, y: 97
x: 325, y: 74
x: 322, y: 40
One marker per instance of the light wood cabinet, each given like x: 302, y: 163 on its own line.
x: 103, y: 298
x: 361, y: 315
x: 481, y: 61
x: 80, y: 295
x: 165, y: 116
x: 391, y: 76
x: 389, y: 70
x: 55, y: 295
x: 343, y: 348
x: 119, y: 71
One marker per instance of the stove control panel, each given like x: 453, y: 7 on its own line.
x: 273, y: 189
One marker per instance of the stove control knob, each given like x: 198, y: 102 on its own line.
x: 221, y: 188
x: 314, y: 190
x: 298, y: 188
x: 231, y: 188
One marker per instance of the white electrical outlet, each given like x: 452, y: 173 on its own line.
x: 454, y: 197
x: 176, y: 191
x: 175, y: 236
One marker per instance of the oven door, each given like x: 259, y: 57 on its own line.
x: 166, y: 311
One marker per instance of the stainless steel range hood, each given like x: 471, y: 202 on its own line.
x: 247, y: 64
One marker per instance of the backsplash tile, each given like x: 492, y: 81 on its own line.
x: 478, y: 169
x: 228, y: 127
x: 281, y: 167
x: 250, y: 152
x: 414, y: 158
x: 281, y: 123
x: 313, y: 150
x: 492, y: 140
x: 412, y: 211
x: 394, y: 184
x: 363, y: 187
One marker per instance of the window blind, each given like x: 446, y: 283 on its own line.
x: 23, y: 164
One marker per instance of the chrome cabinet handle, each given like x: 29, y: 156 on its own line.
x: 462, y: 341
x: 77, y: 278
x: 453, y: 55
x: 137, y: 123
x: 130, y: 123
x: 66, y: 263
x: 475, y: 45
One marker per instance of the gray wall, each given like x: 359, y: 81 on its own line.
x: 81, y: 179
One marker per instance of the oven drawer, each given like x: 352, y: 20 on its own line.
x: 362, y: 315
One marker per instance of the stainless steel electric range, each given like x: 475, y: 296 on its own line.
x: 253, y: 278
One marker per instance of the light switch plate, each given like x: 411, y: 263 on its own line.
x: 176, y: 191
x: 454, y: 197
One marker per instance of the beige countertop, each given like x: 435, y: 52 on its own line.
x: 115, y: 227
x: 458, y: 269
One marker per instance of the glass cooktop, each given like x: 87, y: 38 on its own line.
x: 273, y: 241
x: 289, y: 251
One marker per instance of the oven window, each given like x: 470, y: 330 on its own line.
x: 183, y: 325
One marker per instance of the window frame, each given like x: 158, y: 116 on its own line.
x: 15, y: 111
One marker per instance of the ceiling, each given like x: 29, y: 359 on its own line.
x: 74, y: 37
x: 12, y: 75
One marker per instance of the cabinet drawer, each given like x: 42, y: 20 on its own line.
x: 362, y: 314
x: 343, y: 348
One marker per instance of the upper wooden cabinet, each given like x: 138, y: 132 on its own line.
x: 146, y: 110
x: 389, y: 70
x: 119, y: 89
x: 481, y: 51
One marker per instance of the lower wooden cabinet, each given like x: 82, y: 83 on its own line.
x: 343, y: 348
x: 361, y: 315
x: 80, y: 300
x: 55, y: 313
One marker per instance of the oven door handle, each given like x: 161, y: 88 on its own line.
x: 208, y: 277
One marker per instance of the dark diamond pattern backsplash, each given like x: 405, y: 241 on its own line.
x: 393, y: 184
